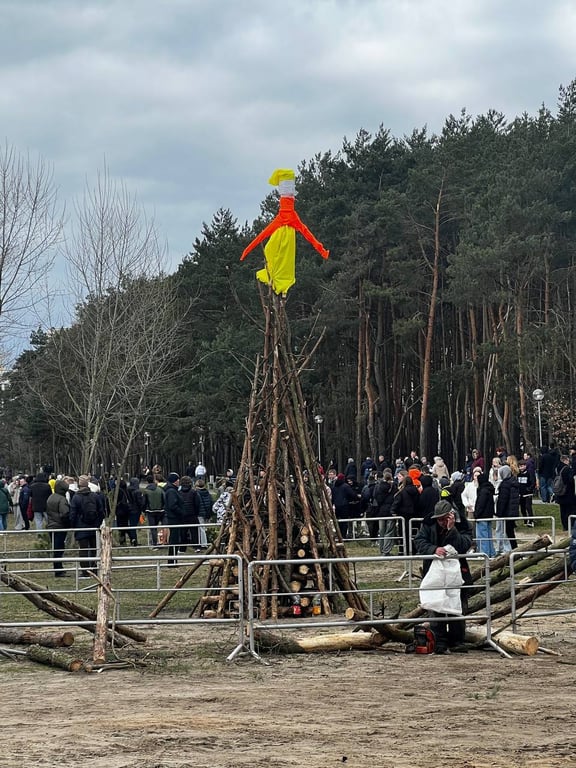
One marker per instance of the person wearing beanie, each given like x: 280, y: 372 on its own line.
x: 441, y: 530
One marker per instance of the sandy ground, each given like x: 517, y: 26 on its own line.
x: 189, y: 707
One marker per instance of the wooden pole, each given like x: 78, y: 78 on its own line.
x: 104, y: 596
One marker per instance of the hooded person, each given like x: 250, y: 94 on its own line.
x: 456, y: 488
x: 483, y: 514
x: 58, y: 520
x: 507, y: 508
x: 429, y: 496
x: 439, y: 468
x: 343, y: 496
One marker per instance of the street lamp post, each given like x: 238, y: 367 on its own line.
x: 147, y: 447
x: 538, y: 396
x: 319, y: 419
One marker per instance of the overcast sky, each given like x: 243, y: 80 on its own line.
x: 194, y: 102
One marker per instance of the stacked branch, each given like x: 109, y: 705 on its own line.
x: 280, y: 508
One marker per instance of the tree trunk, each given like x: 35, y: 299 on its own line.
x: 523, y: 645
x: 30, y: 637
x: 54, y: 658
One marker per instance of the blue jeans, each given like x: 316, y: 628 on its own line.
x: 546, y: 490
x: 4, y: 521
x: 484, y: 540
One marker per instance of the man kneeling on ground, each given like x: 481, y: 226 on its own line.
x: 446, y: 527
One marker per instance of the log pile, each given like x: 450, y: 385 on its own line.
x: 280, y: 508
x: 46, y: 647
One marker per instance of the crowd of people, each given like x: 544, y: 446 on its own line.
x: 491, y: 495
x: 177, y: 510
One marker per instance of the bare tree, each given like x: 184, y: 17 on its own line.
x: 30, y: 227
x: 102, y: 375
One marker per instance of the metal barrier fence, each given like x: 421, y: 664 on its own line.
x: 25, y: 559
x: 131, y: 602
x: 515, y: 587
x: 313, y: 623
x: 359, y: 533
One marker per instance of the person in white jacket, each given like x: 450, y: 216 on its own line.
x: 470, y: 492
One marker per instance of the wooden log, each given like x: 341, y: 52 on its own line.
x: 73, y: 612
x: 523, y: 645
x: 343, y: 641
x: 304, y: 570
x: 54, y: 658
x: 104, y: 596
x: 30, y: 637
x: 296, y: 585
x: 304, y: 539
x: 301, y: 553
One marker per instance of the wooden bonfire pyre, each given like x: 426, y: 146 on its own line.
x: 280, y: 508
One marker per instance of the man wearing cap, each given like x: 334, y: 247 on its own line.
x: 445, y: 527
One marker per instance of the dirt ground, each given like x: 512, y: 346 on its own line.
x: 189, y: 707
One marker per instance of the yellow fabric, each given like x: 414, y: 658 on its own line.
x: 281, y: 174
x: 280, y: 253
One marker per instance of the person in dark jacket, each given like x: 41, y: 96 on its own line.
x: 23, y: 499
x: 86, y: 512
x: 343, y: 495
x: 527, y: 483
x: 455, y: 489
x: 572, y: 548
x: 566, y: 500
x: 154, y: 506
x: 442, y: 529
x: 58, y: 517
x: 40, y: 492
x: 123, y: 513
x: 384, y: 496
x: 174, y: 514
x: 483, y: 514
x: 429, y: 496
x: 204, y: 510
x: 507, y: 507
x: 546, y: 470
x: 406, y: 505
x: 137, y: 504
x: 191, y: 506
x: 351, y: 470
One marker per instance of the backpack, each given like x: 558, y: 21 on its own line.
x: 90, y: 517
x: 559, y: 487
